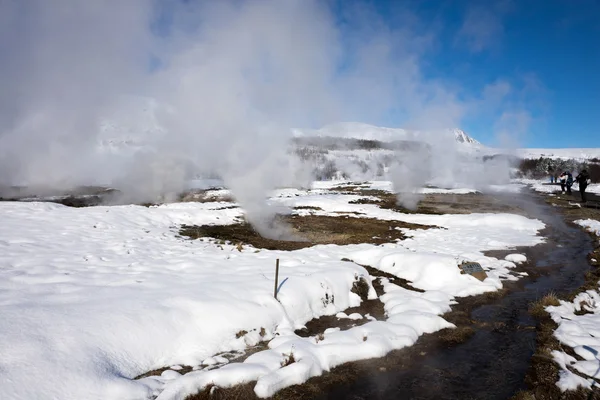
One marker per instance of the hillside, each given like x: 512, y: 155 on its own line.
x: 357, y: 130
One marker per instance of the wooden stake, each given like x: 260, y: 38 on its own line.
x: 276, y: 277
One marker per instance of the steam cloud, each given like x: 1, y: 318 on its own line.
x: 223, y: 81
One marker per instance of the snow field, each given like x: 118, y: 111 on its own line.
x: 92, y: 297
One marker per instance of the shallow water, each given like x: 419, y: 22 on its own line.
x: 492, y: 364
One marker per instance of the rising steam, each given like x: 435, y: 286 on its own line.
x: 225, y: 81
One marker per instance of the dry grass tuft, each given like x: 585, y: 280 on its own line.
x: 241, y: 334
x: 239, y: 392
x: 288, y: 359
x: 538, y: 308
x: 361, y: 288
x: 312, y: 208
x: 456, y: 335
x: 523, y: 395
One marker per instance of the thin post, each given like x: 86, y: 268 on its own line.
x: 276, y: 278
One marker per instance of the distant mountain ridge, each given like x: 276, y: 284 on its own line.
x: 135, y: 124
x: 358, y: 130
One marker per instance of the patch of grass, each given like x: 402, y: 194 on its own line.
x: 389, y: 201
x: 361, y: 288
x: 313, y: 208
x: 456, y: 335
x: 523, y: 395
x: 288, y: 359
x: 538, y: 308
x: 365, y: 200
x: 310, y: 230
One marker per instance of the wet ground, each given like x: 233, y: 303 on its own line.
x: 492, y: 363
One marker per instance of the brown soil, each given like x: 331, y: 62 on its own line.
x: 311, y: 229
x: 434, y: 203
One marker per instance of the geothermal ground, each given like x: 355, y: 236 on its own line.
x: 176, y: 301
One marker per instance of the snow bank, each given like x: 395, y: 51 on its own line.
x: 93, y: 297
x: 590, y: 225
x: 410, y: 314
x: 516, y: 258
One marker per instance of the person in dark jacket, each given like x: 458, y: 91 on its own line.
x: 584, y: 180
x: 563, y: 182
x: 569, y: 182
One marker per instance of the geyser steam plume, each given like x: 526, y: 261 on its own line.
x: 227, y: 80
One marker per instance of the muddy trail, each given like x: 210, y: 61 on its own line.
x: 493, y: 362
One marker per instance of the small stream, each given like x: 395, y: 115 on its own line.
x: 492, y: 364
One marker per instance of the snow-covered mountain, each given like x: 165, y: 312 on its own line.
x: 564, y: 154
x: 133, y: 125
x: 462, y: 137
x: 358, y: 130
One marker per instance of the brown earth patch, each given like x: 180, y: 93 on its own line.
x: 433, y: 203
x: 310, y: 230
x: 311, y: 208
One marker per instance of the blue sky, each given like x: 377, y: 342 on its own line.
x: 543, y: 55
x: 524, y: 72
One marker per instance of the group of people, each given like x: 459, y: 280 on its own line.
x: 583, y: 179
